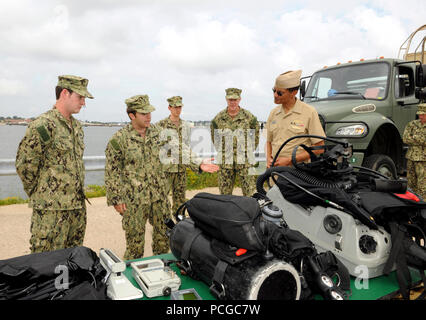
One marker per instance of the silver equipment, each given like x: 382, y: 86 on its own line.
x: 362, y: 250
x: 154, y: 278
x: 118, y: 286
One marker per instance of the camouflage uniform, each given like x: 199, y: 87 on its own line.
x: 134, y: 175
x: 176, y: 173
x: 50, y: 164
x: 235, y: 140
x: 415, y: 137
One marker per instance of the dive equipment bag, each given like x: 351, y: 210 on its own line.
x: 66, y: 274
x: 231, y: 219
x: 283, y: 264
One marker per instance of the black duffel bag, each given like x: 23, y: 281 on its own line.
x: 231, y: 219
x: 71, y: 273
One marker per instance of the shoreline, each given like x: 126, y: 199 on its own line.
x: 103, y: 228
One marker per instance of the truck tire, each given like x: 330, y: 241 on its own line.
x: 381, y: 163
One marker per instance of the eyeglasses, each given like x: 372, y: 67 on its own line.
x: 279, y: 93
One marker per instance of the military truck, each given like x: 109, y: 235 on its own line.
x: 369, y: 103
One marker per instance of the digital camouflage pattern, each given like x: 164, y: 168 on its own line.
x: 176, y: 172
x: 415, y: 137
x: 133, y: 171
x: 76, y: 84
x: 416, y: 177
x: 227, y: 177
x: 177, y: 186
x: 134, y: 175
x: 50, y: 164
x: 421, y: 108
x: 180, y: 135
x: 57, y: 229
x: 134, y: 221
x: 175, y: 101
x: 140, y: 103
x: 235, y: 140
x: 233, y: 93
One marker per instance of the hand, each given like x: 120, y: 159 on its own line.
x: 120, y: 208
x: 282, y: 162
x: 207, y: 166
x: 269, y: 162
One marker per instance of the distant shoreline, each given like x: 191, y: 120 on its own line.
x: 84, y: 124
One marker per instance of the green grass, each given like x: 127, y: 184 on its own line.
x: 92, y: 191
x: 95, y: 191
x: 200, y: 181
x: 12, y: 200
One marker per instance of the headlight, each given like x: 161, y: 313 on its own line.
x: 357, y: 130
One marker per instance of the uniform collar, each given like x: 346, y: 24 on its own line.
x: 240, y: 115
x: 170, y: 122
x: 421, y: 124
x: 70, y: 123
x: 136, y: 136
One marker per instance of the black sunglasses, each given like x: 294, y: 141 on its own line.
x: 279, y: 93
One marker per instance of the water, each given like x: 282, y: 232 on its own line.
x: 96, y: 139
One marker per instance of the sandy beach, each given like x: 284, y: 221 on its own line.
x: 103, y: 227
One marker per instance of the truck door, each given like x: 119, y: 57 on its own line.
x: 406, y: 103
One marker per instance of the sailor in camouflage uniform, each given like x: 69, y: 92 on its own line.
x: 135, y: 180
x: 50, y: 164
x: 179, y: 130
x: 415, y: 138
x: 235, y: 135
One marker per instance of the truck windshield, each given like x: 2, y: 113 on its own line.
x: 358, y: 81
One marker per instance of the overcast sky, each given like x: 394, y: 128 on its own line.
x: 192, y: 48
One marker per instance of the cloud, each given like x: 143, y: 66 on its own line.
x: 192, y: 48
x: 207, y: 45
x: 10, y: 87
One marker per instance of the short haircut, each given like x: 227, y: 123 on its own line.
x: 130, y: 111
x: 58, y: 91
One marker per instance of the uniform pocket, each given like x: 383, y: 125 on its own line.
x: 296, y: 130
x: 43, y: 230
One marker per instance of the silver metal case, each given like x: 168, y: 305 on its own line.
x: 154, y: 278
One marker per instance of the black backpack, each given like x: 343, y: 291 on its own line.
x: 231, y: 219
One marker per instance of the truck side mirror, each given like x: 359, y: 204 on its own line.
x: 302, y: 89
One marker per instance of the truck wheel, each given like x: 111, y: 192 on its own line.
x: 382, y: 164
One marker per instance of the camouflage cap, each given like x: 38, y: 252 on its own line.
x: 289, y: 79
x: 233, y: 93
x: 140, y: 103
x: 175, y: 101
x: 421, y: 108
x: 76, y: 84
